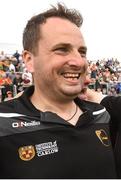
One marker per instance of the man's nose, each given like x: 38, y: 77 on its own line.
x: 77, y: 60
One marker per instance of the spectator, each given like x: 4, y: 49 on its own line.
x: 12, y: 67
x: 9, y: 96
x: 16, y: 55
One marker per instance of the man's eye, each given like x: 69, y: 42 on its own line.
x: 61, y: 49
x: 83, y: 54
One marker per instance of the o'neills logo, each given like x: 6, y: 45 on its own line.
x: 103, y: 137
x: 26, y: 153
x: 25, y: 124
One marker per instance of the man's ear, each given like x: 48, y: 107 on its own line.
x: 28, y: 60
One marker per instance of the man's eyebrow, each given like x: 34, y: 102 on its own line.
x: 84, y: 48
x: 63, y: 44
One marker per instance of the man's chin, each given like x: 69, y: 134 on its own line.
x: 71, y: 95
x: 71, y: 92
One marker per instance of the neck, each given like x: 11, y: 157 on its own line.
x: 67, y: 110
x: 46, y: 102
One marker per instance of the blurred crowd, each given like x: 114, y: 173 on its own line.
x: 14, y: 77
x: 105, y: 75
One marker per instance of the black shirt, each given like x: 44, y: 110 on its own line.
x: 36, y: 144
x: 113, y: 106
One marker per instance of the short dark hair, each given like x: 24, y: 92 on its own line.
x: 32, y: 33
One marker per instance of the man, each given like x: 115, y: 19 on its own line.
x: 47, y: 132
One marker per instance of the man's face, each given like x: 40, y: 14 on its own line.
x: 60, y: 65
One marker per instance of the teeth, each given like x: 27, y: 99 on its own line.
x: 71, y: 75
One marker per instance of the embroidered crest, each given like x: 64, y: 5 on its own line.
x: 103, y: 137
x: 26, y: 153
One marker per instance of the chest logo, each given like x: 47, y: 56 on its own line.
x: 103, y: 137
x: 46, y: 148
x: 26, y: 153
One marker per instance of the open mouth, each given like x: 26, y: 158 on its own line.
x: 71, y: 75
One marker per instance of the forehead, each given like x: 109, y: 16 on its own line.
x: 58, y: 29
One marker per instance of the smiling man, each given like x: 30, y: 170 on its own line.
x: 48, y: 132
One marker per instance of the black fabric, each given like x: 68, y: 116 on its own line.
x: 113, y: 106
x: 36, y: 144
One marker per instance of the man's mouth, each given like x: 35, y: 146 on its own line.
x: 71, y: 75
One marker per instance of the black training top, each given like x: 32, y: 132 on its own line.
x: 113, y: 106
x: 35, y: 144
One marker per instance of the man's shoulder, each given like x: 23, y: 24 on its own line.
x: 89, y: 105
x: 7, y: 106
x: 96, y: 111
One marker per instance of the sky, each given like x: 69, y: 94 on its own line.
x: 101, y: 27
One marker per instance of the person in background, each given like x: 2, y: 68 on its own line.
x: 16, y: 55
x: 9, y: 96
x: 48, y: 132
x: 27, y: 79
x: 113, y: 106
x: 18, y: 83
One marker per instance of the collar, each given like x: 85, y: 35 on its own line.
x: 24, y: 106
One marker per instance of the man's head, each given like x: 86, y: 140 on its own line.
x: 55, y: 52
x: 32, y: 32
